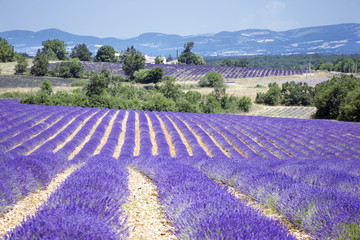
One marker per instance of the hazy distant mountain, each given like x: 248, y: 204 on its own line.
x: 333, y: 39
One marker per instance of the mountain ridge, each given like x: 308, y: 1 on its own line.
x: 328, y: 39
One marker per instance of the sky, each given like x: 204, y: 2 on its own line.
x: 126, y: 19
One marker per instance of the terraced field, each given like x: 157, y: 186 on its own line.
x: 89, y: 173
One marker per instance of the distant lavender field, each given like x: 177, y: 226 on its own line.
x: 195, y: 72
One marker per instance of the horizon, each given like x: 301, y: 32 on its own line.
x: 199, y: 34
x: 124, y: 20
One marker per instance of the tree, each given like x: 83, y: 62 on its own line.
x: 21, y: 66
x: 187, y: 57
x: 169, y: 88
x: 41, y: 64
x: 98, y: 83
x: 199, y: 60
x: 54, y: 49
x: 105, y: 54
x: 126, y: 52
x: 69, y: 69
x: 233, y: 63
x: 271, y: 97
x: 155, y: 75
x: 215, y: 80
x: 133, y: 61
x: 81, y: 52
x: 350, y: 108
x: 7, y: 53
x: 244, y: 103
x: 169, y: 58
x: 46, y: 87
x: 331, y: 94
x: 296, y: 94
x: 159, y: 60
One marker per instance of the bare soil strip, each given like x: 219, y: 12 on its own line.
x: 78, y: 148
x: 52, y: 137
x: 137, y: 135
x: 168, y: 137
x: 146, y: 219
x: 297, y: 232
x: 182, y: 136
x: 121, y: 136
x: 30, y: 204
x: 198, y: 138
x: 106, y: 134
x: 74, y: 133
x: 152, y: 136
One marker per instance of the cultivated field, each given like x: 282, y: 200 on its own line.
x: 90, y: 173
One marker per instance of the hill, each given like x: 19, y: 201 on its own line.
x: 332, y: 39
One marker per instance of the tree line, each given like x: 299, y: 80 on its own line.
x: 337, y: 98
x: 107, y: 91
x: 56, y: 50
x: 339, y: 63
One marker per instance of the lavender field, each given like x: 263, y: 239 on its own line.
x: 195, y: 72
x: 306, y: 171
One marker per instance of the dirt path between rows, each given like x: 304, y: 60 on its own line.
x: 146, y: 219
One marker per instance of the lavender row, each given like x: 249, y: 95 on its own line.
x: 278, y: 147
x: 26, y: 146
x: 145, y: 139
x: 36, y: 129
x: 335, y: 174
x: 163, y: 146
x: 215, y: 150
x: 290, y: 145
x: 113, y: 139
x: 326, y: 213
x: 25, y: 174
x: 89, y: 148
x: 214, y: 132
x: 86, y: 206
x: 233, y: 138
x: 24, y: 122
x: 14, y: 114
x: 52, y: 144
x: 180, y: 148
x: 201, y: 209
x: 307, y: 135
x: 128, y: 147
x: 304, y: 136
x: 70, y: 146
x: 190, y: 137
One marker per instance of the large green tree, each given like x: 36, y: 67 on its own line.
x: 187, y: 56
x: 40, y: 64
x: 98, y: 83
x: 105, y: 54
x: 133, y: 61
x: 7, y: 53
x: 54, y: 49
x: 331, y: 94
x: 81, y: 52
